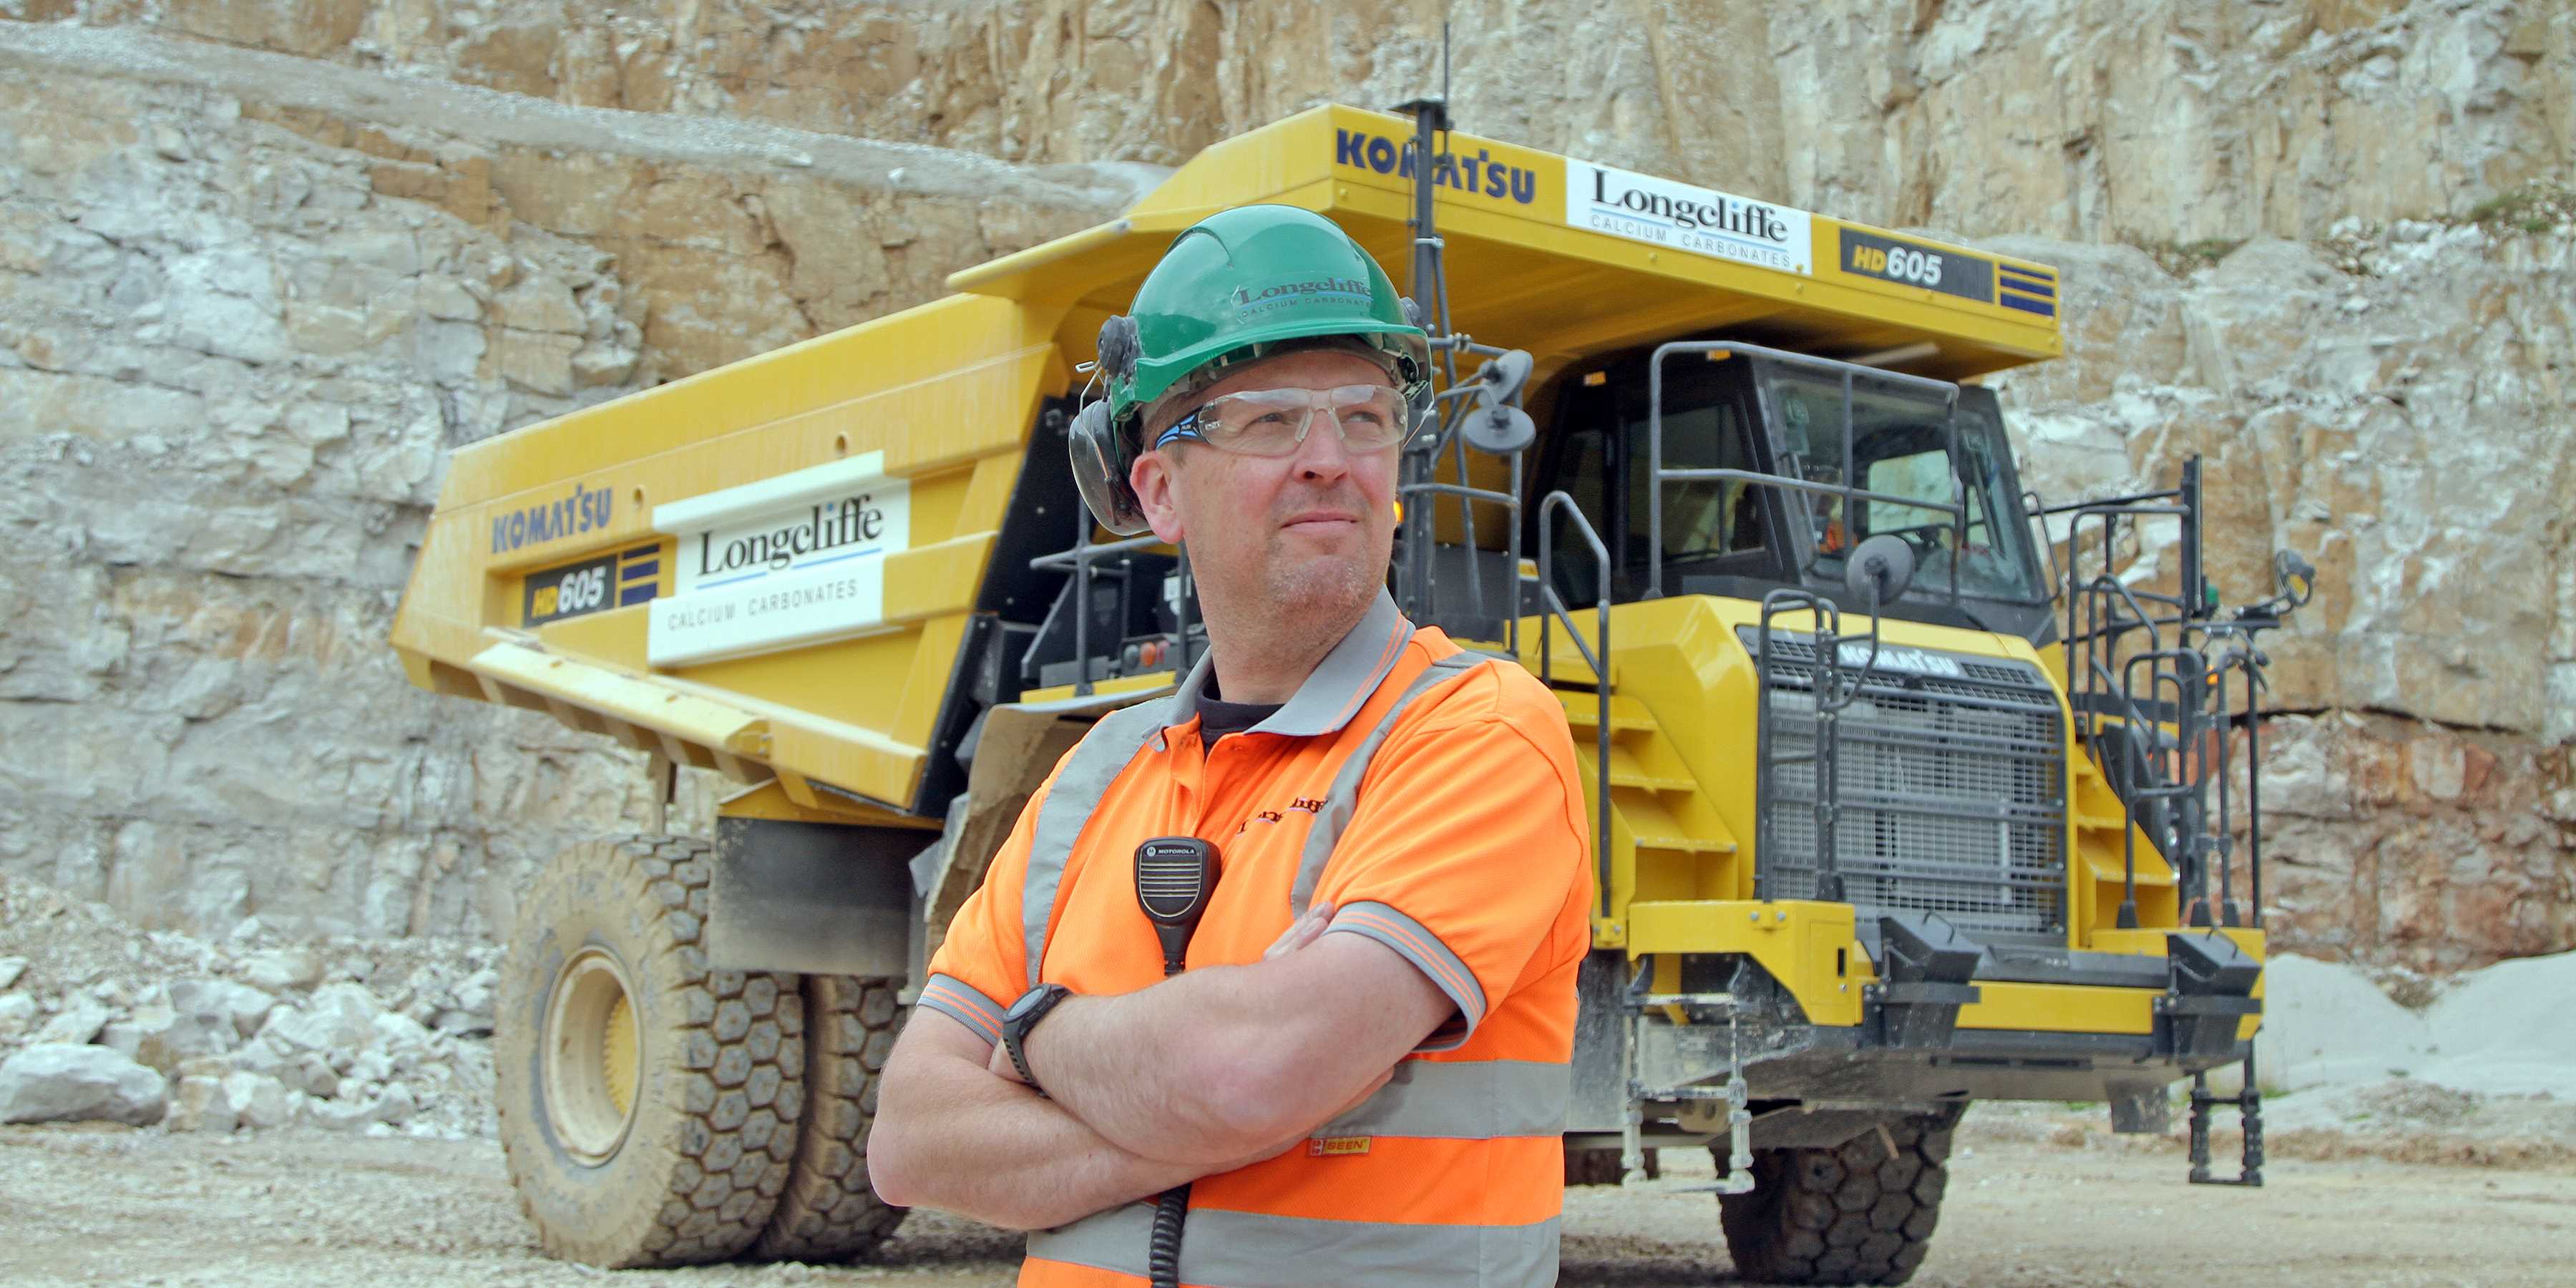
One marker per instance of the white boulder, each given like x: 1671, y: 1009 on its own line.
x: 240, y: 1005
x: 71, y: 1082
x: 279, y: 970
x: 77, y: 1023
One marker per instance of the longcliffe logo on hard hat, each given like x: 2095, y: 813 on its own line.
x: 1245, y: 297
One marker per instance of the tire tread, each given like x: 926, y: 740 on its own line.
x: 680, y: 1189
x: 829, y: 1212
x: 1851, y: 1214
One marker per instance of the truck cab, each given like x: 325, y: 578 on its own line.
x: 1741, y: 539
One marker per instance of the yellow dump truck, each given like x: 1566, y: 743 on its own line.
x: 1899, y: 803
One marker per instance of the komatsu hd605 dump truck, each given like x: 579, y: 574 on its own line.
x: 1898, y: 803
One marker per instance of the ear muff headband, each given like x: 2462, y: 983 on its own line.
x: 1119, y: 347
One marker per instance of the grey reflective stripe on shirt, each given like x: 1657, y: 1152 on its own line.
x: 1463, y: 1100
x: 1415, y: 943
x: 1226, y: 1249
x: 1070, y: 803
x: 1342, y: 799
x: 964, y: 1003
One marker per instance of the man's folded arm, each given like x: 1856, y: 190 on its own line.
x: 951, y: 1135
x: 1215, y: 1063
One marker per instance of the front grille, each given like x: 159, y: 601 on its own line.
x: 1950, y: 778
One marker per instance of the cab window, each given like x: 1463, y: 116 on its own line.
x: 1710, y: 526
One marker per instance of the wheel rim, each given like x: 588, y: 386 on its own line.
x: 592, y: 1051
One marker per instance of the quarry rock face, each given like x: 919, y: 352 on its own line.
x: 263, y: 264
x: 2079, y: 119
x: 238, y: 336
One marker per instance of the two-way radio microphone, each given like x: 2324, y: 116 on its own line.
x: 1175, y: 878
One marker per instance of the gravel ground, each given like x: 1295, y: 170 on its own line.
x: 85, y: 1204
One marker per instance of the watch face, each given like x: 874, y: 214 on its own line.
x: 1027, y: 1002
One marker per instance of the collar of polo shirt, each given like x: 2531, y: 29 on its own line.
x: 1334, y: 693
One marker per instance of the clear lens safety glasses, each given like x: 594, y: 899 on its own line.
x: 1273, y: 422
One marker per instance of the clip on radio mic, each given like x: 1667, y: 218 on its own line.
x: 1175, y: 876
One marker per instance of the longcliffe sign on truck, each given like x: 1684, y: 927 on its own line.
x: 1705, y: 221
x: 1669, y: 214
x: 786, y: 561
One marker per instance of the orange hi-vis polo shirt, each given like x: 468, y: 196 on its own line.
x: 1430, y: 796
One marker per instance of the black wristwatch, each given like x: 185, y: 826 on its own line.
x: 1023, y: 1016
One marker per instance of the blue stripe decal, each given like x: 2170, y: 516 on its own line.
x: 637, y: 570
x: 642, y: 552
x: 2040, y: 307
x: 634, y: 595
x: 2032, y: 285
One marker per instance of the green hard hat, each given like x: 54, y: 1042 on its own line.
x: 1235, y: 286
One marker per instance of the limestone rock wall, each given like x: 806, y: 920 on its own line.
x: 2392, y: 843
x: 263, y: 262
x: 2396, y: 403
x: 244, y: 314
x: 2092, y: 120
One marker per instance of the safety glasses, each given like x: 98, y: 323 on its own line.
x: 1273, y: 422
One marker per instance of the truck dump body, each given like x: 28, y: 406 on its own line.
x: 788, y: 550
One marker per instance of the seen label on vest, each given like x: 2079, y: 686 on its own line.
x: 1331, y: 1146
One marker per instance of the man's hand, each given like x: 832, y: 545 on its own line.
x: 1000, y: 1066
x: 1301, y: 932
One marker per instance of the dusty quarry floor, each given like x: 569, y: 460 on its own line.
x: 92, y: 1205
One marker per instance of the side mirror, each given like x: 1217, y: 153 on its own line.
x: 1500, y: 431
x: 1504, y: 375
x: 2295, y: 576
x: 1882, y: 566
x: 1493, y: 425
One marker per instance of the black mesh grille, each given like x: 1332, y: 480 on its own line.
x: 1950, y: 780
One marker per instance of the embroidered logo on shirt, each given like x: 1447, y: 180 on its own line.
x: 1301, y: 805
x: 1330, y: 1146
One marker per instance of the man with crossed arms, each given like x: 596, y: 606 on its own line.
x: 1364, y: 1070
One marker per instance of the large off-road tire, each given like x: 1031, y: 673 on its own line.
x: 1861, y: 1212
x: 829, y: 1212
x: 648, y: 1105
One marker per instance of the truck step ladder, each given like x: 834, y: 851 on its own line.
x: 1658, y: 815
x: 2248, y: 1103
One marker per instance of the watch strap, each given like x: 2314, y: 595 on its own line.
x: 1023, y: 1020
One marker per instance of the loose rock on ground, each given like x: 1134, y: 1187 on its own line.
x: 242, y: 1033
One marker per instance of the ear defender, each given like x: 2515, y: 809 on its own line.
x: 1098, y: 450
x: 1099, y: 471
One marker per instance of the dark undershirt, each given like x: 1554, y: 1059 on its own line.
x: 1217, y: 717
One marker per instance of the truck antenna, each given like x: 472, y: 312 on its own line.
x: 1428, y: 285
